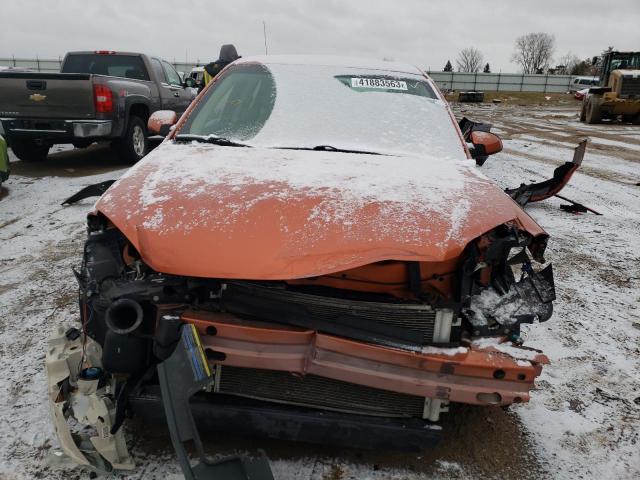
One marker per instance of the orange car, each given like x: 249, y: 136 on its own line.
x: 323, y: 225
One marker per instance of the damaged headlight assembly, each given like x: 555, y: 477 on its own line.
x: 495, y: 302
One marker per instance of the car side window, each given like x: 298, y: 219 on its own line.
x: 172, y: 76
x: 157, y: 69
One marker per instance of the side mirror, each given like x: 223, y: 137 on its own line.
x: 190, y: 82
x: 160, y: 122
x: 485, y: 143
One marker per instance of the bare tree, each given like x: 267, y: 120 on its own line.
x: 584, y: 67
x: 567, y: 63
x: 469, y: 60
x: 533, y: 51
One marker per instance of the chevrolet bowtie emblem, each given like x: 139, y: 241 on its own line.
x: 36, y: 97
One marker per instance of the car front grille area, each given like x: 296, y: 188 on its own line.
x: 394, y: 324
x: 316, y: 392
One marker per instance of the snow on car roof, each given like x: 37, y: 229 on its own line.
x: 334, y: 61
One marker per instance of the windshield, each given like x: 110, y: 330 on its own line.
x: 626, y: 62
x: 310, y: 106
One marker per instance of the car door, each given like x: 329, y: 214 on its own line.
x: 182, y: 96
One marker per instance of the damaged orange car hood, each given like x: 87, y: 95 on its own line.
x: 254, y: 213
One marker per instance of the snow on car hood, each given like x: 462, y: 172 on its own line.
x: 255, y: 213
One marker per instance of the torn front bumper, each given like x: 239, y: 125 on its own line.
x: 82, y: 407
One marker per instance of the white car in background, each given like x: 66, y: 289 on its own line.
x: 580, y: 83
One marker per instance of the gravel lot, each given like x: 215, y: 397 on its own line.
x: 584, y: 417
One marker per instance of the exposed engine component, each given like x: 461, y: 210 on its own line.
x: 123, y: 316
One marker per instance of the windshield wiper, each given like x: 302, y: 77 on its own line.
x: 330, y: 148
x: 225, y: 142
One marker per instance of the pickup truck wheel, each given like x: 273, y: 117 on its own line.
x: 133, y: 146
x: 29, y: 150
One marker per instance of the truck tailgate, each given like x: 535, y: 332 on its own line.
x: 46, y: 95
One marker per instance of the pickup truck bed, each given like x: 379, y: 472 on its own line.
x: 98, y: 96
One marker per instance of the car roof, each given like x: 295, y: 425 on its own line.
x: 97, y: 52
x: 334, y: 61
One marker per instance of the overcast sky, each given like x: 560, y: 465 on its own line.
x: 425, y: 33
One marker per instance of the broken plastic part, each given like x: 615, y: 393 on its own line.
x: 183, y: 374
x: 535, y: 192
x: 496, y: 313
x: 85, y: 400
x: 94, y: 190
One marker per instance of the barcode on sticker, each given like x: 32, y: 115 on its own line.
x: 383, y: 83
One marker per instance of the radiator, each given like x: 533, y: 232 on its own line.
x: 427, y: 325
x: 316, y: 392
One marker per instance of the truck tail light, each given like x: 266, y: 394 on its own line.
x: 103, y: 99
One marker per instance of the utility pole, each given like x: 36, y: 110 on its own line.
x: 264, y: 32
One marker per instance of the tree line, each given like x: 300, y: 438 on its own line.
x: 533, y: 52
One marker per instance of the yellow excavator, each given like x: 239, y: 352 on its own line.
x: 618, y: 92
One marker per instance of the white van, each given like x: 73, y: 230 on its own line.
x: 580, y: 83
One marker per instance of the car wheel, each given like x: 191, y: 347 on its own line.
x: 593, y: 113
x: 29, y: 150
x: 134, y: 145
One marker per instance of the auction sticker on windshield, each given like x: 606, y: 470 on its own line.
x: 384, y: 83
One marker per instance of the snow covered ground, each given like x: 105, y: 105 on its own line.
x: 583, y: 420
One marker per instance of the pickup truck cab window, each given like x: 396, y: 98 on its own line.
x: 172, y: 76
x: 158, y: 70
x: 124, y: 66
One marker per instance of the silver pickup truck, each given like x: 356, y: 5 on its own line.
x: 99, y: 95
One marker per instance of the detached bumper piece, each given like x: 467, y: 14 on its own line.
x: 80, y: 400
x: 535, y: 192
x: 181, y: 375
